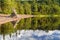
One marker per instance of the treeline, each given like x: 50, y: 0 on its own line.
x: 45, y: 7
x: 30, y: 7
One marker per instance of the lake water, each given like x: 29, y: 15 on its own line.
x: 33, y: 35
x: 7, y: 32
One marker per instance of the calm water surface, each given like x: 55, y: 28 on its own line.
x: 32, y: 35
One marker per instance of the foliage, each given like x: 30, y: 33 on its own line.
x: 45, y: 7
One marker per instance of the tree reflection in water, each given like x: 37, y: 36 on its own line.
x: 33, y: 34
x: 43, y: 23
x: 6, y: 29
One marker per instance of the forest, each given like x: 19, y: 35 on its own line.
x: 41, y: 7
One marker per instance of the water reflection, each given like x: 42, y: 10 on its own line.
x: 8, y: 32
x: 32, y: 35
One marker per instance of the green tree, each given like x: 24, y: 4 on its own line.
x: 20, y: 7
x: 35, y: 12
x: 7, y: 6
x: 20, y: 10
x: 7, y: 28
x: 28, y: 12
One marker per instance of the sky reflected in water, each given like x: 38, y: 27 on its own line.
x: 33, y: 35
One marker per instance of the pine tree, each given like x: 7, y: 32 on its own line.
x: 35, y: 10
x: 27, y: 7
x: 7, y: 6
x: 20, y: 10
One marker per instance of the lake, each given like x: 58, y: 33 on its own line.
x: 26, y: 29
x: 32, y: 35
x: 30, y: 20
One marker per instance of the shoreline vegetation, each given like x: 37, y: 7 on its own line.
x: 47, y: 11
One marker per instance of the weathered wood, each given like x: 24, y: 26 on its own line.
x: 14, y: 14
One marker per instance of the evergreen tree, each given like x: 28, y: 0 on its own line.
x: 20, y: 10
x: 7, y: 6
x: 28, y: 12
x: 35, y: 9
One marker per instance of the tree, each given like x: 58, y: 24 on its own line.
x: 20, y: 7
x: 28, y: 12
x: 7, y: 6
x: 20, y: 10
x: 6, y: 29
x: 35, y: 12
